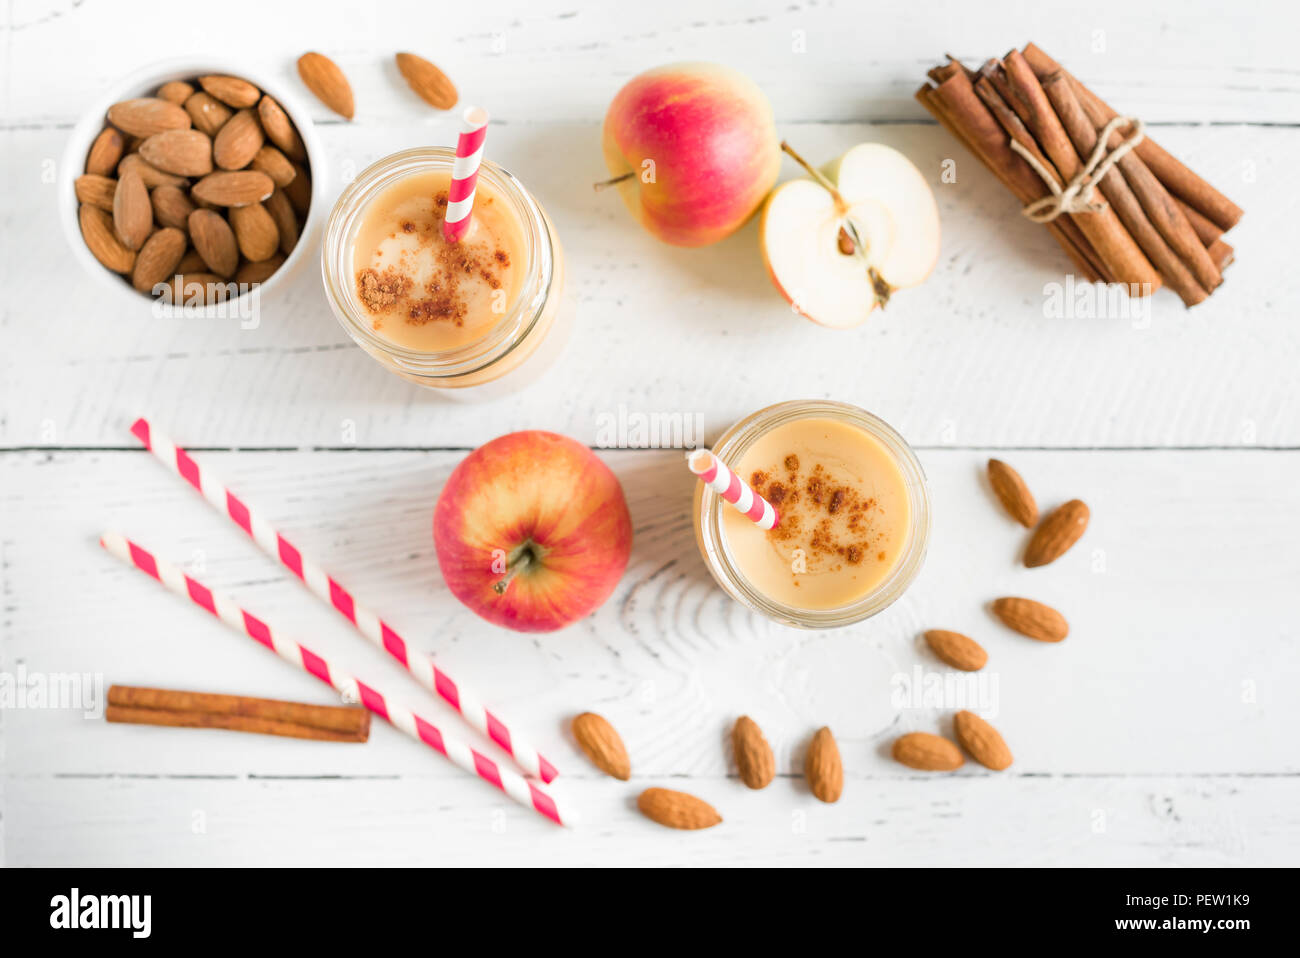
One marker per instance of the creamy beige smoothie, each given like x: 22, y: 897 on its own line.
x: 421, y: 292
x: 845, y: 514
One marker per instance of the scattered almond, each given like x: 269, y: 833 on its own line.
x: 178, y: 91
x: 280, y: 129
x: 255, y: 231
x: 234, y: 188
x: 132, y: 212
x: 183, y: 152
x: 252, y: 273
x: 152, y: 176
x: 273, y: 163
x: 171, y: 207
x: 105, y: 153
x: 429, y: 83
x: 238, y: 141
x: 157, y: 259
x: 677, y: 809
x: 323, y: 77
x: 603, y: 746
x: 214, y: 241
x: 147, y: 115
x: 822, y: 767
x: 102, y: 241
x: 927, y: 753
x: 959, y: 651
x: 754, y: 756
x: 96, y: 190
x: 1060, y: 530
x: 208, y: 113
x: 231, y: 91
x: 982, y: 740
x: 1013, y: 493
x: 286, y: 222
x: 1031, y: 618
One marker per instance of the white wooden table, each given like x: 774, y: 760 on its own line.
x: 1161, y: 732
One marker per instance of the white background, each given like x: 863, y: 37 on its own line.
x: 1161, y: 732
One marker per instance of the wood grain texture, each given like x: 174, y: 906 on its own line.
x: 1160, y: 732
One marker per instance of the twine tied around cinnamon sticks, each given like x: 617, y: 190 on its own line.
x: 1078, y: 195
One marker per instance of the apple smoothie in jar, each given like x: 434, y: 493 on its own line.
x: 854, y: 515
x: 450, y: 315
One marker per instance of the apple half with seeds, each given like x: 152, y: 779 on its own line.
x: 838, y: 245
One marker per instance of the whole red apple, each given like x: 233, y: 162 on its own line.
x: 532, y: 531
x: 698, y: 147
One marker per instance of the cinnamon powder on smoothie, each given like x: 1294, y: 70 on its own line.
x: 831, y: 522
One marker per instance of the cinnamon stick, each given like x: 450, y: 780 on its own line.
x: 1177, y: 178
x: 1118, y: 191
x: 150, y: 706
x: 1206, y: 231
x: 954, y: 104
x: 1115, y: 247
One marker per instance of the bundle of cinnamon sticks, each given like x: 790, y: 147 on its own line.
x: 1160, y: 224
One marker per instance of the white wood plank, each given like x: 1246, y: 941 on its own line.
x: 970, y: 358
x: 547, y: 60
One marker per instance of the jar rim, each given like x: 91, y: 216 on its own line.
x: 521, y: 317
x: 713, y: 541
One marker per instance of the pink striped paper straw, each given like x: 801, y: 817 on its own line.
x: 353, y: 689
x: 457, y: 695
x: 464, y: 173
x: 714, y: 473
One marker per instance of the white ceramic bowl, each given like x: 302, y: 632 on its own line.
x: 145, y: 82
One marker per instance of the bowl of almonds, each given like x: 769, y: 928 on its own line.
x: 192, y: 185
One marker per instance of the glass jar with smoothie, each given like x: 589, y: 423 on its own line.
x: 854, y: 515
x: 442, y: 314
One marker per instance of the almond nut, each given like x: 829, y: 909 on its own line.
x: 197, y: 289
x: 754, y: 756
x: 106, y: 152
x: 323, y: 77
x: 102, y: 241
x: 280, y: 129
x: 253, y: 273
x: 152, y: 176
x: 603, y: 746
x: 177, y: 91
x: 1054, y: 536
x: 183, y: 152
x: 233, y: 188
x: 959, y: 651
x: 677, y: 809
x: 429, y: 83
x: 1013, y: 493
x: 255, y: 230
x: 147, y: 115
x: 1031, y: 618
x: 96, y: 190
x: 132, y: 211
x: 982, y: 740
x: 822, y: 767
x: 238, y: 141
x: 171, y: 207
x: 192, y: 262
x: 299, y: 191
x: 231, y: 91
x: 927, y: 753
x: 157, y: 259
x: 208, y: 113
x: 273, y: 163
x: 214, y: 241
x: 286, y: 223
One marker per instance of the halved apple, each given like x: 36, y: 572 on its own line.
x: 838, y: 245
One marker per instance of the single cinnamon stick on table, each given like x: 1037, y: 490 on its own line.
x: 1117, y: 190
x: 1176, y: 177
x: 150, y: 706
x: 954, y: 104
x: 1115, y: 247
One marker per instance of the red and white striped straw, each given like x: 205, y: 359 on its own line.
x: 353, y: 689
x: 713, y: 472
x: 464, y: 173
x: 459, y: 696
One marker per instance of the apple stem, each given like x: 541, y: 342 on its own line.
x: 516, y: 565
x: 841, y: 208
x: 606, y: 184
